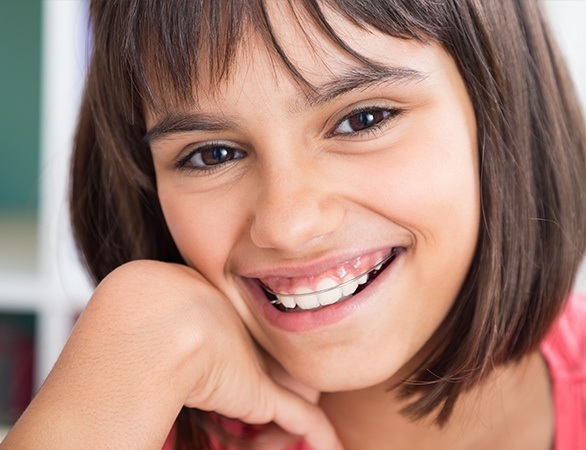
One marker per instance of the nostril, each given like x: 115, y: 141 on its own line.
x: 294, y: 224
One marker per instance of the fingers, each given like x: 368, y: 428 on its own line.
x: 301, y: 418
x: 295, y: 415
x: 273, y: 437
x: 278, y: 374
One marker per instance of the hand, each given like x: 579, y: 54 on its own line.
x: 154, y: 337
x: 273, y: 436
x: 241, y: 381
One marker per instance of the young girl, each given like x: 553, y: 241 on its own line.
x: 324, y: 224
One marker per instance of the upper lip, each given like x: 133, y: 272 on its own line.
x: 301, y: 268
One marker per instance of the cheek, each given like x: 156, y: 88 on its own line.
x: 203, y: 232
x: 443, y: 170
x: 428, y: 184
x: 430, y: 190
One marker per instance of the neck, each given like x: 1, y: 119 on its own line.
x: 511, y: 410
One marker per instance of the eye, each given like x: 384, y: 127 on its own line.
x: 364, y: 120
x: 210, y: 156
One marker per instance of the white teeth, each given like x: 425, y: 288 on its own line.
x: 327, y: 291
x: 330, y: 294
x: 330, y: 297
x: 306, y: 301
x: 288, y: 302
x: 326, y: 283
x: 350, y: 288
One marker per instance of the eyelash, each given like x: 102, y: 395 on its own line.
x: 185, y: 162
x: 186, y: 165
x: 392, y: 113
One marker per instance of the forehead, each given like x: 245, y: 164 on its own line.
x: 310, y: 64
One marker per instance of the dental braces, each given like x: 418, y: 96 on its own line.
x: 339, y: 286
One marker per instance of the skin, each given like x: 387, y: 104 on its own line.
x: 299, y: 194
x: 302, y: 195
x: 133, y: 360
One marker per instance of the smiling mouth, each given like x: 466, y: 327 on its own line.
x: 307, y: 301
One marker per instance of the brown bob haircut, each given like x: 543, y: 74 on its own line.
x: 531, y: 138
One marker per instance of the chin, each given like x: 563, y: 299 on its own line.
x: 348, y: 374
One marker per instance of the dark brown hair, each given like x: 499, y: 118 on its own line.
x: 532, y: 147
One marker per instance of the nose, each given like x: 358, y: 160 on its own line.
x: 295, y: 209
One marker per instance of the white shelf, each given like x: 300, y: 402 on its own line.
x: 39, y: 270
x: 18, y: 244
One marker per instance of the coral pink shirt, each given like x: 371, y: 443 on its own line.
x: 564, y: 350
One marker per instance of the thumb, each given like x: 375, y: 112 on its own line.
x: 272, y: 437
x: 278, y: 373
x: 296, y: 416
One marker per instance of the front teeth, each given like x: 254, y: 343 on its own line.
x: 327, y: 294
x: 287, y: 301
x: 350, y: 288
x: 306, y: 300
x: 327, y: 291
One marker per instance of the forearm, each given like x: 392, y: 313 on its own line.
x: 120, y: 381
x: 155, y: 337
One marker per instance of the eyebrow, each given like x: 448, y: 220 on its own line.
x: 181, y: 122
x: 356, y: 78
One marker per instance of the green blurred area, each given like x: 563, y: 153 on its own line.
x: 20, y: 85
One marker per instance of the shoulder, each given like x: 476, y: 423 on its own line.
x: 565, y: 346
x: 564, y: 350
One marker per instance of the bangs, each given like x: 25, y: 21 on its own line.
x: 160, y: 55
x: 169, y: 52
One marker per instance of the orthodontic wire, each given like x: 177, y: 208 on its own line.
x: 345, y: 283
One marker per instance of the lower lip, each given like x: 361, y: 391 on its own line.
x: 310, y: 320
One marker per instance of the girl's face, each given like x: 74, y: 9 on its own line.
x: 305, y: 190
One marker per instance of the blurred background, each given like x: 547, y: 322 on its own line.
x: 43, y: 55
